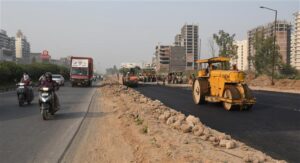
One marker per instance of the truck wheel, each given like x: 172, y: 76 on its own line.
x: 231, y: 93
x: 198, y: 91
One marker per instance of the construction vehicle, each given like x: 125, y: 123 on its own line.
x: 216, y: 82
x: 129, y: 76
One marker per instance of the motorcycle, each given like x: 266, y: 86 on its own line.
x: 24, y: 93
x: 47, y: 102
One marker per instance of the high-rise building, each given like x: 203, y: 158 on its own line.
x: 7, y: 51
x: 190, y: 40
x: 22, y: 48
x: 162, y: 55
x: 177, y: 41
x: 242, y: 55
x: 177, y: 59
x: 283, y: 35
x: 295, y: 42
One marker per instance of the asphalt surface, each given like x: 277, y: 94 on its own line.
x: 272, y: 126
x: 25, y: 137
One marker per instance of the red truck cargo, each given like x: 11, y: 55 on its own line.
x: 81, y: 72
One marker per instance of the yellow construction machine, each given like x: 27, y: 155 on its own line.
x: 217, y: 82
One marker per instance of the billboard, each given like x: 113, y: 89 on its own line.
x: 45, y: 56
x: 80, y: 62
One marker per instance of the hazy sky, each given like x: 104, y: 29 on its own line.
x: 113, y: 32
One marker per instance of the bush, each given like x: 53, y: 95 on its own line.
x: 287, y: 71
x: 11, y: 72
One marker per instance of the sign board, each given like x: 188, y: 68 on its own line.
x: 80, y: 62
x: 45, y: 55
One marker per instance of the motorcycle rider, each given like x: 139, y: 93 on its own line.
x: 51, y: 84
x: 25, y: 79
x: 27, y: 82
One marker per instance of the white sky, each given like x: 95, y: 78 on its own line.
x: 113, y: 32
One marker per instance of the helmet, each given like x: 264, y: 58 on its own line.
x: 48, y: 76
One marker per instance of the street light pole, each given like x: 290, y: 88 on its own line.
x: 274, y: 43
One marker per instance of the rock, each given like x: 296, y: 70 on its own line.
x: 223, y: 143
x: 206, y: 131
x: 143, y: 100
x: 171, y: 120
x: 185, y: 128
x: 230, y: 144
x: 180, y: 117
x: 177, y: 125
x: 224, y: 136
x: 204, y: 137
x: 161, y: 117
x: 198, y: 133
x: 197, y: 127
x: 198, y: 130
x: 192, y: 120
x: 212, y: 139
x: 167, y: 114
x: 261, y: 158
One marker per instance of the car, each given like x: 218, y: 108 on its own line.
x: 59, y: 79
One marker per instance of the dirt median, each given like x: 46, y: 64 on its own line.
x: 125, y: 126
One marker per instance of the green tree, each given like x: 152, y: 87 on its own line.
x: 225, y: 42
x: 263, y: 57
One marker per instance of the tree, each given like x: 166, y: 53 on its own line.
x: 225, y: 42
x: 263, y: 57
x: 33, y: 60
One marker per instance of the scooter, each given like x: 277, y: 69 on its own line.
x: 47, y: 102
x: 24, y: 93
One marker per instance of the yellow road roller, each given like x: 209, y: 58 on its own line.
x: 216, y: 81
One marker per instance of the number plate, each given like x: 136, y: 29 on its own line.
x: 21, y: 86
x: 45, y: 94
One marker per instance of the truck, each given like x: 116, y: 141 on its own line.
x: 81, y: 71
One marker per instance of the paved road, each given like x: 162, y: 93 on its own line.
x: 25, y: 137
x: 272, y: 126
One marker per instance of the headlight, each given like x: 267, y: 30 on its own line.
x: 45, y: 89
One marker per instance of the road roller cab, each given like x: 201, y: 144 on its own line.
x: 217, y: 82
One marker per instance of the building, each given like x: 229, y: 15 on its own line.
x: 177, y: 59
x: 22, y: 48
x: 7, y: 50
x: 35, y: 58
x: 242, y: 55
x: 295, y: 42
x: 177, y: 41
x: 283, y: 35
x: 162, y: 55
x: 190, y: 40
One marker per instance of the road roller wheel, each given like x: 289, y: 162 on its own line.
x: 231, y: 93
x: 198, y: 92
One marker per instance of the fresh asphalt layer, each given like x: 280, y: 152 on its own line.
x: 25, y: 137
x: 272, y: 126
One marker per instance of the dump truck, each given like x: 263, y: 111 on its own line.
x: 217, y: 82
x: 81, y: 71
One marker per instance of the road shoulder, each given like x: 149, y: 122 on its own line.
x: 124, y: 126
